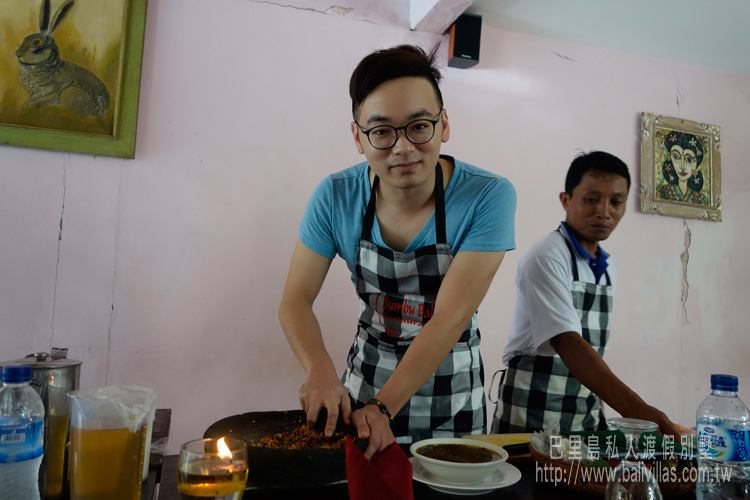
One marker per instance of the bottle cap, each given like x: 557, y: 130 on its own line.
x: 16, y: 374
x: 720, y: 382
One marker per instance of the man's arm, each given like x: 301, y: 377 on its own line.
x: 462, y: 290
x: 323, y: 388
x: 588, y: 367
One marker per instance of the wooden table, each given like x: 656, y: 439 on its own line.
x: 148, y: 490
x: 531, y: 487
x: 159, y: 436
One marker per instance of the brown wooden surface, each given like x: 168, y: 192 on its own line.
x: 148, y: 490
x: 160, y: 438
x: 528, y: 488
x: 159, y: 435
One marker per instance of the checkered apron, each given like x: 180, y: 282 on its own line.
x: 538, y: 388
x: 397, y: 294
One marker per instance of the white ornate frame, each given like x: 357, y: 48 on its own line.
x: 650, y: 168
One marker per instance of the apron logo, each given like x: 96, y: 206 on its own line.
x: 406, y: 309
x: 402, y: 311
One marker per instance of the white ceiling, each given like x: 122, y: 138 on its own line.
x: 709, y: 33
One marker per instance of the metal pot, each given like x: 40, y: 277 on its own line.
x: 53, y: 376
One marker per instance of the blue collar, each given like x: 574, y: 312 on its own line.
x: 597, y: 264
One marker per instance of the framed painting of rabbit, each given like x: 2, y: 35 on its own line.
x: 70, y: 74
x: 680, y: 167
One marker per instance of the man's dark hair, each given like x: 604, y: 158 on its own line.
x: 388, y: 64
x: 595, y: 162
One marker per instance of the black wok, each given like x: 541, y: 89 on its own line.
x: 270, y: 468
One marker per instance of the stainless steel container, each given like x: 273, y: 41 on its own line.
x: 53, y: 376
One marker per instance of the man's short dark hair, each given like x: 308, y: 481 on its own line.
x: 595, y: 162
x: 388, y: 64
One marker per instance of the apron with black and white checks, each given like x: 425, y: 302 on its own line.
x: 397, y: 294
x: 538, y: 388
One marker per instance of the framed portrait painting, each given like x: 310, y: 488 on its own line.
x: 680, y: 167
x: 70, y: 73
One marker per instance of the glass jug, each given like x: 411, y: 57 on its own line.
x: 108, y: 427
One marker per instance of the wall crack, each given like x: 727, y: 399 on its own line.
x: 114, y: 279
x: 334, y: 10
x: 685, y: 258
x: 561, y: 56
x: 66, y: 159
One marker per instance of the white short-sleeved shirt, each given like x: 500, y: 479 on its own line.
x: 544, y: 303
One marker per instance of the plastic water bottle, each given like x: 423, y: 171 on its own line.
x: 723, y: 443
x: 21, y: 435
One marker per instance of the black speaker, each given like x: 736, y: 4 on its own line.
x: 465, y: 33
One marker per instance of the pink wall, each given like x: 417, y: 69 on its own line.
x: 170, y: 266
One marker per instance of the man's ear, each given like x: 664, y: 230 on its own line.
x: 564, y: 200
x: 355, y: 134
x: 446, y: 127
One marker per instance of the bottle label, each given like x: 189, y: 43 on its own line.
x: 21, y: 440
x: 722, y: 444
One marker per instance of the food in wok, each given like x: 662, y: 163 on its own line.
x: 301, y: 438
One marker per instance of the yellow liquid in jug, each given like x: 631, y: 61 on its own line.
x: 106, y: 464
x: 55, y: 455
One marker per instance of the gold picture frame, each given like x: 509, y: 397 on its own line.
x: 90, y: 105
x: 680, y: 168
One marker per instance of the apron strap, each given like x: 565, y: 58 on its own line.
x: 440, y: 233
x: 574, y: 263
x: 572, y: 256
x: 492, y: 383
x: 370, y: 212
x: 439, y: 206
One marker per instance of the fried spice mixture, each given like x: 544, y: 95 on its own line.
x: 302, y: 437
x: 459, y: 453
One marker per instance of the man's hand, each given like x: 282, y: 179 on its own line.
x: 590, y: 369
x: 648, y: 412
x: 371, y: 423
x: 325, y: 390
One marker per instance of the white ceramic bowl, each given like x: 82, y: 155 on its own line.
x: 454, y: 472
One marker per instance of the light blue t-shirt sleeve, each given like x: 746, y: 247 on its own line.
x: 493, y: 227
x: 482, y: 209
x: 316, y: 229
x: 332, y: 222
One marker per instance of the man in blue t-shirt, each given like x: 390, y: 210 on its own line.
x: 423, y: 235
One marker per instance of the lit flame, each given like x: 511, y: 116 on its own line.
x: 224, y: 451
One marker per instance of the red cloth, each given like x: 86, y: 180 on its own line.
x: 388, y: 476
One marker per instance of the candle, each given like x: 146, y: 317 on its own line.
x: 209, y: 469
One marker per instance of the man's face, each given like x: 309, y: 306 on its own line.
x: 595, y: 207
x: 397, y: 103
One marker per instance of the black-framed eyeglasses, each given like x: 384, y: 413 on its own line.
x: 417, y: 132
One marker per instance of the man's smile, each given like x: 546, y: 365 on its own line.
x: 406, y: 166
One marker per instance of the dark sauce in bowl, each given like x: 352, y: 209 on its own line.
x: 459, y: 453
